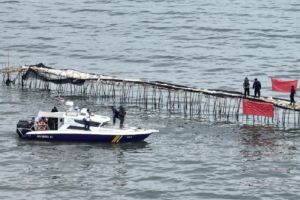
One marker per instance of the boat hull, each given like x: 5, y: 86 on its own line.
x: 70, y: 137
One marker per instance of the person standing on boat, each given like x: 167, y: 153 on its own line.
x: 119, y: 115
x: 292, y: 96
x: 87, y: 120
x: 53, y: 122
x: 256, y: 87
x: 54, y: 109
x: 246, y: 86
x: 115, y: 114
x: 122, y: 114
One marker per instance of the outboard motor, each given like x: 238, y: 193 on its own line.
x: 23, y: 127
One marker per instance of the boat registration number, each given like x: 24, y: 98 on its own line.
x: 44, y: 136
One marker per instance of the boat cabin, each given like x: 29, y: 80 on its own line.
x: 49, y: 120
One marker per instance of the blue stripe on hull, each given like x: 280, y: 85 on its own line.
x: 85, y: 138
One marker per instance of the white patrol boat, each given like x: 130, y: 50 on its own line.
x: 80, y: 126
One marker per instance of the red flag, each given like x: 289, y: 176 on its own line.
x: 258, y: 108
x: 283, y: 86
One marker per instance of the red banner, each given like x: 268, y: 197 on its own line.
x: 258, y: 108
x: 283, y: 86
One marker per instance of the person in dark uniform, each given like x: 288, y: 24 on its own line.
x: 292, y: 96
x: 256, y: 87
x: 246, y: 86
x: 122, y: 114
x: 119, y: 114
x: 8, y: 81
x: 54, y: 109
x: 53, y: 122
x: 115, y: 113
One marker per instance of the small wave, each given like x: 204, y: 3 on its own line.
x: 88, y: 10
x: 201, y: 57
x: 16, y: 46
x: 91, y: 57
x: 137, y: 61
x: 7, y: 113
x: 163, y: 71
x: 218, y: 69
x: 16, y: 21
x: 255, y: 46
x: 10, y: 103
x: 268, y: 30
x: 160, y: 27
x: 259, y: 74
x: 293, y: 10
x: 286, y: 36
x: 74, y: 55
x: 44, y: 38
x: 41, y: 46
x: 9, y: 2
x: 216, y: 29
x: 35, y: 27
x: 248, y: 56
x: 159, y: 65
x: 117, y: 13
x: 184, y: 38
x: 171, y: 12
x: 167, y: 57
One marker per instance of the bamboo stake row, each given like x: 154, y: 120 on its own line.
x: 175, y: 99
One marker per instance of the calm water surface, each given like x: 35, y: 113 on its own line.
x: 207, y: 44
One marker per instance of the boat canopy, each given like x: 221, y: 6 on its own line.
x: 51, y: 114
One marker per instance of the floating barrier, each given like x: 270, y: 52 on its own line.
x: 217, y: 105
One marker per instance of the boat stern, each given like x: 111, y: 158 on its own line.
x: 23, y: 127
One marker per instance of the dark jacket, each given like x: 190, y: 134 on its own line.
x: 293, y: 91
x: 122, y: 112
x: 246, y: 83
x: 115, y: 112
x: 256, y: 85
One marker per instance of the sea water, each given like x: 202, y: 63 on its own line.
x: 207, y: 44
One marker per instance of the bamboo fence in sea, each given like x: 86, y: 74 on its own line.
x: 217, y: 105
